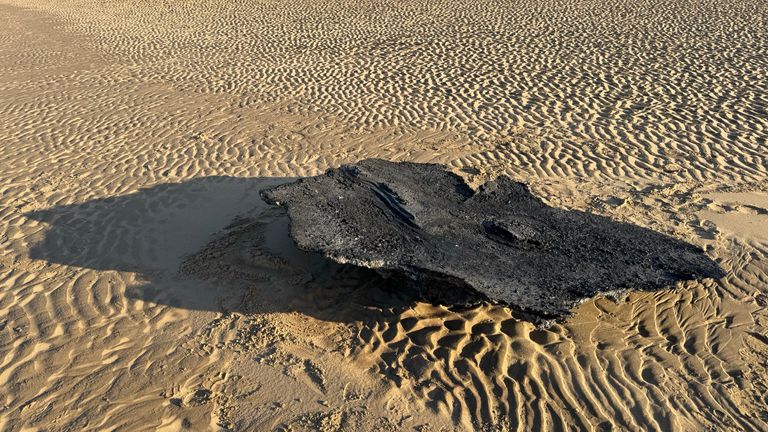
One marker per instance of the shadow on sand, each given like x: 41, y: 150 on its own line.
x: 211, y: 244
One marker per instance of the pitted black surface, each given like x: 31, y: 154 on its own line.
x: 456, y: 246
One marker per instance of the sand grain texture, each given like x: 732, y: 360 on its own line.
x: 143, y: 286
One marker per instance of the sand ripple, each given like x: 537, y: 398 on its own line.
x: 133, y: 132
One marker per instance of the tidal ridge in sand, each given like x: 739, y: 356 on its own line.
x: 145, y: 286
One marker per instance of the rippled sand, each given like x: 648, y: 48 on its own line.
x: 145, y: 286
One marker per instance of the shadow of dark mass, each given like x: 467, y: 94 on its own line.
x: 425, y: 226
x: 209, y: 244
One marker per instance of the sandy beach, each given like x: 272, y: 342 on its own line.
x: 145, y: 285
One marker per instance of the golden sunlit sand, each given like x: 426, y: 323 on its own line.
x: 144, y: 285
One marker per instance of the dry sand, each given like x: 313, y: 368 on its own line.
x: 144, y: 286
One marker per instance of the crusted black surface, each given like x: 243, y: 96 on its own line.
x: 422, y: 223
